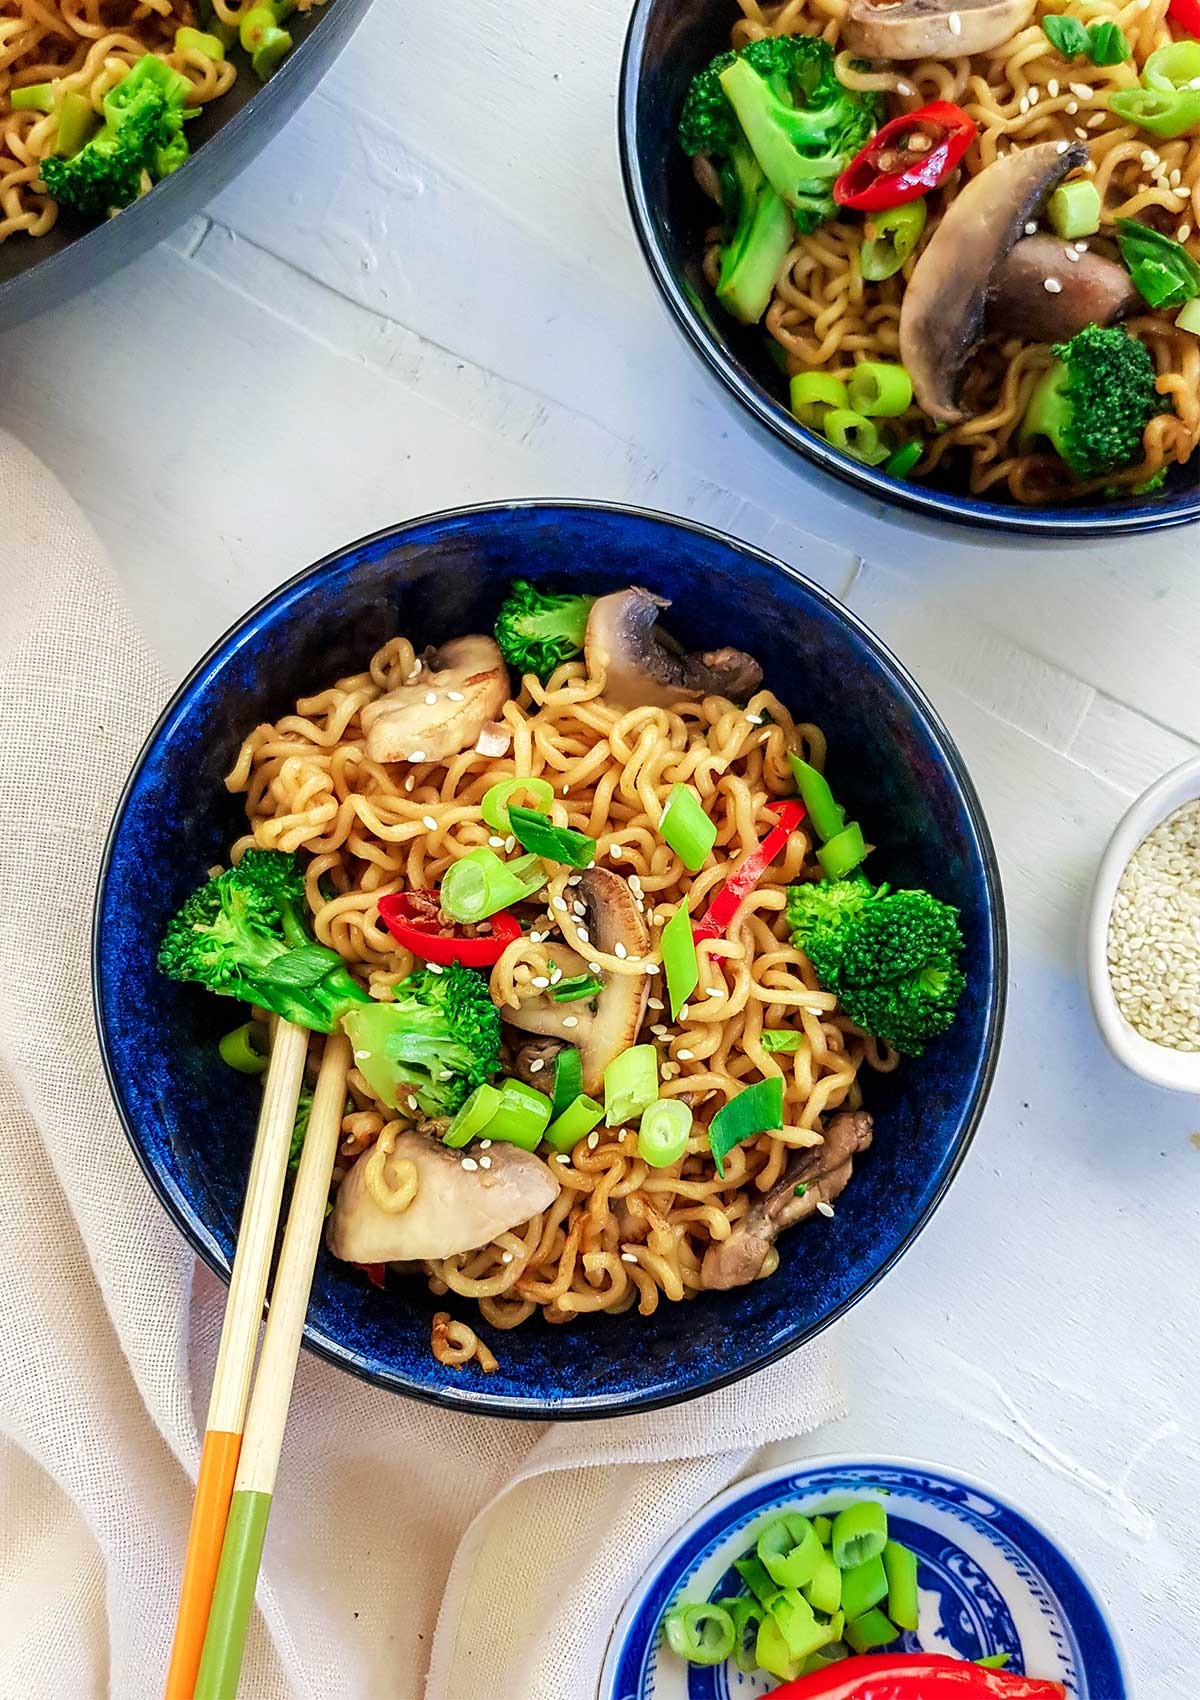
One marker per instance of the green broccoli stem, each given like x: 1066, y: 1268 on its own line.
x: 753, y: 258
x: 1049, y: 409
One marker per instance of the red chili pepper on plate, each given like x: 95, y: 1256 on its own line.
x: 909, y: 157
x: 374, y: 1272
x: 413, y: 919
x: 1185, y: 13
x: 744, y: 878
x: 915, y: 1676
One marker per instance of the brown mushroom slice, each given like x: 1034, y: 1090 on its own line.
x: 640, y: 671
x: 942, y: 315
x: 604, y: 1026
x: 468, y: 683
x: 931, y: 29
x: 536, y: 1062
x: 1092, y: 290
x: 823, y: 1170
x: 454, y: 1210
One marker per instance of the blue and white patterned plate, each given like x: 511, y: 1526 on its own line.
x: 991, y: 1581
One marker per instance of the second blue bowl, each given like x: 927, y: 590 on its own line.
x: 191, y: 1121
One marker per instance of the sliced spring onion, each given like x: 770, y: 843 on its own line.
x: 756, y: 1109
x: 192, y: 40
x: 757, y: 1578
x: 859, y: 1532
x: 1163, y: 271
x: 823, y: 1590
x: 684, y: 825
x: 798, y: 1625
x: 473, y: 1116
x: 703, y: 1634
x: 879, y: 389
x: 900, y: 1566
x: 576, y: 987
x: 1188, y: 317
x: 520, y: 1118
x: 826, y: 814
x: 832, y: 1654
x: 479, y: 884
x: 790, y: 1550
x: 574, y: 1124
x: 824, y: 1528
x: 863, y: 1586
x: 1074, y: 209
x: 771, y: 1654
x: 556, y: 843
x: 679, y: 959
x: 33, y: 97
x: 842, y: 854
x: 663, y: 1135
x: 1108, y: 44
x: 812, y: 396
x: 781, y: 1039
x: 1175, y: 66
x: 238, y: 1050
x: 746, y: 1615
x: 870, y: 1630
x: 1065, y: 34
x: 494, y: 806
x: 568, y: 1079
x: 901, y: 462
x: 994, y: 1661
x: 630, y: 1084
x: 855, y: 435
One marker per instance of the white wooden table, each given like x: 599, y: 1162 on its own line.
x: 427, y: 292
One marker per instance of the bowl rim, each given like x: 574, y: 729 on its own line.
x: 814, y: 1463
x: 1177, y: 1071
x: 1061, y: 524
x: 585, y: 1408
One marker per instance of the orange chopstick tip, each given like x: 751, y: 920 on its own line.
x: 210, y: 1513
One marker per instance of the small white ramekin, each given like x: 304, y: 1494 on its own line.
x: 1177, y: 1070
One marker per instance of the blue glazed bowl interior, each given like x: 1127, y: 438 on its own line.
x: 668, y: 42
x: 191, y: 1120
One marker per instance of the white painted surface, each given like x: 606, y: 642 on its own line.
x: 426, y: 292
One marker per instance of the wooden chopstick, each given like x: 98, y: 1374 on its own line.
x: 233, y: 1596
x: 235, y: 1355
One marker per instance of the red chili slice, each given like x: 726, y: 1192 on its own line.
x: 907, y: 158
x: 915, y: 1676
x: 1185, y: 13
x: 412, y: 918
x: 746, y: 876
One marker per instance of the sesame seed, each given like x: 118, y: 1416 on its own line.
x: 570, y: 1021
x: 1071, y: 108
x: 361, y: 1056
x: 825, y: 1209
x: 1081, y: 133
x: 541, y: 981
x: 430, y: 698
x: 1023, y: 103
x: 1034, y: 96
x: 905, y: 88
x: 456, y: 696
x: 408, y: 783
x: 755, y: 719
x: 616, y: 852
x: 470, y: 1163
x: 1182, y: 234
x: 566, y: 790
x: 538, y: 938
x: 628, y: 1257
x: 650, y: 968
x: 1083, y: 90
x: 506, y: 1257
x: 685, y: 1056
x: 619, y: 950
x: 655, y: 1003
x: 1095, y: 121
x: 537, y: 1067
x: 565, y: 1161
x: 510, y: 844
x: 683, y: 1012
x: 1052, y: 286
x: 495, y: 842
x: 1061, y: 147
x: 1052, y: 87
x: 594, y: 968
x: 583, y: 935
x: 429, y: 823
x: 560, y: 903
x: 659, y: 1031
x: 1081, y: 247
x: 593, y: 1140
x: 1070, y: 254
x: 485, y: 1162
x: 435, y: 968
x: 485, y: 1145
x: 575, y: 879
x: 955, y: 23
x: 578, y: 908
x: 714, y: 991
x: 1032, y: 227
x: 556, y: 975
x: 412, y: 1102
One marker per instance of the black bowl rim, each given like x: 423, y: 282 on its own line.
x: 590, y: 1409
x: 939, y: 505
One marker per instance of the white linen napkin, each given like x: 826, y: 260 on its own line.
x: 410, y: 1551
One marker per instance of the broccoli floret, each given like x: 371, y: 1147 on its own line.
x: 244, y: 934
x: 891, y: 957
x: 432, y: 1044
x: 1096, y: 400
x: 140, y: 142
x: 802, y: 124
x: 537, y: 630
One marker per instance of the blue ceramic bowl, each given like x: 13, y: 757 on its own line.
x: 191, y: 1121
x: 668, y: 42
x: 75, y: 254
x: 989, y: 1579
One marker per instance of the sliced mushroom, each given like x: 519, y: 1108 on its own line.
x: 404, y: 725
x: 535, y: 1061
x: 707, y: 176
x: 604, y: 1026
x: 1093, y: 290
x: 823, y: 1170
x: 455, y: 1209
x: 942, y: 316
x: 932, y: 29
x: 641, y: 672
